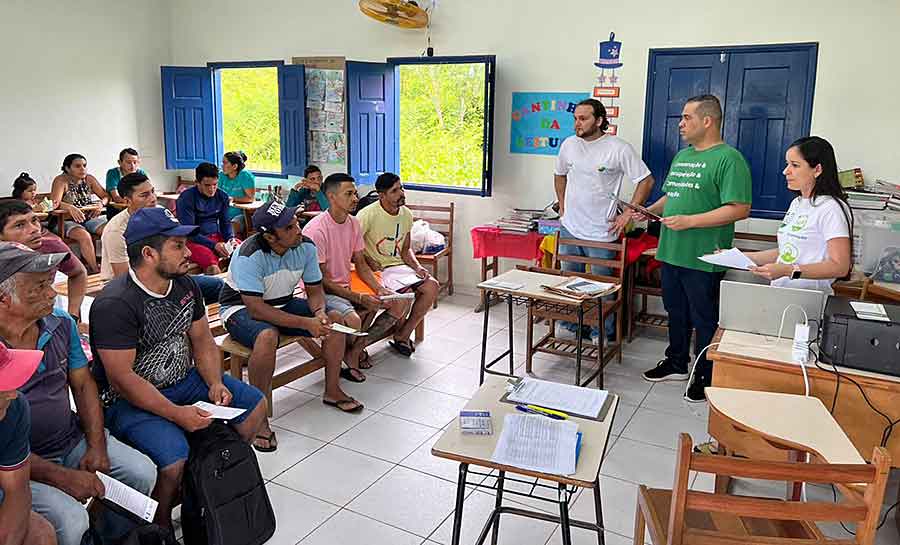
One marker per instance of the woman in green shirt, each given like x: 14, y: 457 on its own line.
x: 238, y: 183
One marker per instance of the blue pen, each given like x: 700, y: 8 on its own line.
x: 525, y: 409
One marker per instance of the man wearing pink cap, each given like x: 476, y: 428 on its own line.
x: 18, y: 524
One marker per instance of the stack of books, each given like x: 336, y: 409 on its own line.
x: 520, y: 220
x: 884, y: 186
x: 862, y: 199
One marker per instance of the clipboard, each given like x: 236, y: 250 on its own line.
x: 599, y: 417
x: 635, y: 207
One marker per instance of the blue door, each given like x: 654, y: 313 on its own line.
x: 766, y: 94
x: 372, y: 123
x: 189, y: 126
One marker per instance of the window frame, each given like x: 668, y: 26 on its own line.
x: 215, y: 67
x: 490, y: 62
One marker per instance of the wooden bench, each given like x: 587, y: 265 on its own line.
x: 440, y: 219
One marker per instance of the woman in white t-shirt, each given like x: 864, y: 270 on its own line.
x: 814, y: 237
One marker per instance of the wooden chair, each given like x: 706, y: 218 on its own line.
x: 686, y: 517
x: 595, y: 318
x: 440, y: 218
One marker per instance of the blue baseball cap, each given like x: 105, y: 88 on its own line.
x: 148, y: 222
x: 273, y: 215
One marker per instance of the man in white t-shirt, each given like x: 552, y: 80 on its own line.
x: 590, y: 166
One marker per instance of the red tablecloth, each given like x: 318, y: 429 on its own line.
x: 490, y: 241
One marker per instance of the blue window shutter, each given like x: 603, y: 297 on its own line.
x: 189, y: 127
x: 292, y: 115
x: 372, y: 117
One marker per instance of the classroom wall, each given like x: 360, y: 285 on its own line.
x: 80, y: 77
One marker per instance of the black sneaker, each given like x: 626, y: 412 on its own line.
x: 664, y: 370
x: 695, y: 391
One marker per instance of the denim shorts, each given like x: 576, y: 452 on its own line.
x: 338, y: 304
x: 161, y: 440
x: 244, y: 329
x: 92, y: 225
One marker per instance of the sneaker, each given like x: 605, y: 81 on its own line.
x: 664, y: 370
x: 695, y: 392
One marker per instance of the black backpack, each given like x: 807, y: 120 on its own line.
x: 224, y: 495
x: 366, y: 200
x: 150, y: 534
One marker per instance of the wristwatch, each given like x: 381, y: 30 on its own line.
x: 795, y: 272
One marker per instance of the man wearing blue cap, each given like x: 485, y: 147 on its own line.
x: 258, y: 303
x: 155, y: 355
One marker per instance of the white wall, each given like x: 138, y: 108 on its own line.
x: 80, y: 77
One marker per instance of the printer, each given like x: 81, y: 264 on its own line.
x: 850, y: 341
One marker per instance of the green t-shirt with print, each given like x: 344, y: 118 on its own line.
x: 700, y: 181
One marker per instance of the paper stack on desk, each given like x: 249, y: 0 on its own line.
x: 574, y: 400
x: 537, y: 443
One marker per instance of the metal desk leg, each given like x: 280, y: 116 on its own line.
x: 510, y: 323
x: 598, y: 511
x: 564, y: 526
x: 495, y: 533
x: 578, y: 345
x: 484, y: 336
x: 460, y: 496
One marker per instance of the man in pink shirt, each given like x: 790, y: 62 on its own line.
x: 339, y: 243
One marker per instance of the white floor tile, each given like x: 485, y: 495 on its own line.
x: 458, y: 381
x: 619, y: 499
x: 386, y: 437
x: 296, y: 514
x: 472, y: 358
x: 285, y: 400
x: 587, y: 537
x: 640, y: 463
x: 349, y: 528
x: 514, y: 530
x: 668, y: 397
x: 631, y: 390
x: 624, y: 412
x: 450, y: 344
x: 407, y: 499
x: 374, y: 393
x: 422, y: 460
x: 426, y: 407
x: 292, y: 447
x: 662, y: 429
x: 320, y: 421
x: 413, y: 370
x: 334, y: 474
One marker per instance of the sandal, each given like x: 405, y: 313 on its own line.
x: 364, y: 362
x: 355, y: 406
x: 353, y: 375
x: 405, y: 348
x: 273, y: 442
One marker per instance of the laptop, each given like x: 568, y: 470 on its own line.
x: 756, y: 308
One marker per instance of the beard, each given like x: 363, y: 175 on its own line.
x: 171, y: 273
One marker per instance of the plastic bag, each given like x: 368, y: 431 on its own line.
x: 424, y: 237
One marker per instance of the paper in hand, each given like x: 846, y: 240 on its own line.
x: 731, y: 258
x: 341, y: 328
x: 128, y: 498
x: 219, y: 411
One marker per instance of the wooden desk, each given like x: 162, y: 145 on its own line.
x: 754, y: 362
x: 478, y: 449
x: 63, y: 215
x: 248, y: 208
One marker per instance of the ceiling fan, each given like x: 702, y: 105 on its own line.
x: 401, y: 13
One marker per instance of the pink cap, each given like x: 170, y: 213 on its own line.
x: 17, y: 366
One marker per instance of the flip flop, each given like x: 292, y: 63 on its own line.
x: 405, y: 348
x: 348, y: 374
x: 273, y: 442
x: 341, y: 403
x: 364, y: 362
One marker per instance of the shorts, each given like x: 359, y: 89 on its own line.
x: 338, y: 304
x: 92, y: 225
x: 161, y: 440
x: 245, y: 329
x: 203, y: 256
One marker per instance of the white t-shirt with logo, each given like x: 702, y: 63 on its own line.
x: 803, y: 238
x: 593, y: 170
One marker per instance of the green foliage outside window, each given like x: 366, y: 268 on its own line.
x: 442, y: 124
x: 250, y: 116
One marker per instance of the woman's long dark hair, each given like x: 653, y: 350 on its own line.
x: 818, y: 151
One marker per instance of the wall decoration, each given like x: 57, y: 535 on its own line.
x: 612, y: 111
x: 325, y: 112
x: 608, y: 61
x: 541, y: 121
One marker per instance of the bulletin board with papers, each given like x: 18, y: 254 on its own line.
x: 326, y: 137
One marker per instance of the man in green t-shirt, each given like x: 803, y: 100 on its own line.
x: 708, y: 188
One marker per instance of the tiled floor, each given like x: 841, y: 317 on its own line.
x: 370, y: 478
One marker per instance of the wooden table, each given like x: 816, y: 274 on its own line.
x: 248, y: 208
x: 490, y: 243
x: 63, y: 215
x: 478, y: 449
x: 755, y: 362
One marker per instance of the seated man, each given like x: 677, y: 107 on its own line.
x: 66, y: 449
x: 207, y: 206
x: 138, y: 192
x: 19, y: 525
x: 307, y: 194
x: 339, y: 241
x: 258, y: 304
x: 386, y: 226
x: 129, y: 162
x: 154, y: 354
x: 18, y: 223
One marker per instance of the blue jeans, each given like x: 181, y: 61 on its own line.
x: 584, y: 251
x: 691, y: 298
x: 69, y: 517
x: 210, y: 286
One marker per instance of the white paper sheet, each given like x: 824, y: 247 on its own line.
x: 219, y: 411
x: 870, y: 311
x: 397, y: 296
x: 128, y: 498
x: 731, y: 258
x: 562, y: 397
x: 341, y: 328
x: 503, y: 284
x: 537, y: 443
x: 399, y: 277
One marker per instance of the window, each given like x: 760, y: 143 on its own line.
x: 429, y: 119
x: 257, y: 107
